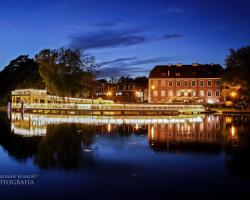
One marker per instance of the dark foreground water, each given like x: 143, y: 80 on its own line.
x: 60, y: 157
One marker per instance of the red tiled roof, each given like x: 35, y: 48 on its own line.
x: 187, y: 71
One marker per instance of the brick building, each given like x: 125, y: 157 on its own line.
x: 194, y: 83
x: 123, y: 92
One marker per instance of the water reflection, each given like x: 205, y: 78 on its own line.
x: 184, y: 136
x: 73, y: 142
x: 35, y: 125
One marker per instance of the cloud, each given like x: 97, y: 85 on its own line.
x: 170, y: 10
x: 108, y: 72
x: 117, y: 60
x: 171, y: 36
x: 114, y: 38
x: 107, y: 39
x: 150, y: 60
x: 132, y: 66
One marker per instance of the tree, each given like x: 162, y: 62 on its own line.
x: 124, y: 79
x: 237, y: 70
x: 142, y: 82
x: 67, y: 72
x: 22, y: 72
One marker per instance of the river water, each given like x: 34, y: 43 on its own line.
x: 94, y: 157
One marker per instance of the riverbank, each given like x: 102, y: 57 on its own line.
x: 230, y: 111
x: 213, y: 110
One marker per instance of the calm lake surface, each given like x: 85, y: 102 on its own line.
x: 84, y: 157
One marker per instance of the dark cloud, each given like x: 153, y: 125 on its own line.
x: 171, y: 36
x: 106, y: 39
x: 131, y: 66
x: 117, y: 60
x: 107, y: 72
x: 150, y: 60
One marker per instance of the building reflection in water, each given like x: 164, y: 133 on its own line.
x: 36, y: 125
x: 207, y: 129
x: 163, y: 132
x: 210, y: 134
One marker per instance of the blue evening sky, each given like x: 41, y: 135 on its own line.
x: 127, y: 37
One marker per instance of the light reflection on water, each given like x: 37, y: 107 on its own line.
x: 156, y: 151
x: 36, y: 125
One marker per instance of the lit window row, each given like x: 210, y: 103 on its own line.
x: 186, y: 93
x: 184, y: 83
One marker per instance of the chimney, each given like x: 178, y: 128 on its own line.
x: 179, y: 64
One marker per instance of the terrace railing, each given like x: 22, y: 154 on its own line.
x: 114, y: 107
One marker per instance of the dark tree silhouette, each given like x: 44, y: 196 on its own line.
x: 237, y: 70
x: 22, y: 72
x: 67, y: 72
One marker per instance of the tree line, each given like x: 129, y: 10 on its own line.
x: 63, y: 72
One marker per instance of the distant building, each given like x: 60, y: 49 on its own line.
x: 185, y: 83
x: 124, y: 92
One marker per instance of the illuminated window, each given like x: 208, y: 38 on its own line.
x: 193, y: 93
x: 178, y: 93
x: 154, y: 82
x: 193, y: 83
x: 170, y: 93
x: 162, y: 83
x: 178, y: 83
x: 209, y: 83
x: 209, y: 93
x: 185, y: 83
x: 201, y: 83
x: 178, y: 74
x: 170, y: 83
x: 218, y: 83
x: 163, y: 93
x: 217, y: 93
x: 155, y: 93
x: 185, y: 93
x: 202, y: 93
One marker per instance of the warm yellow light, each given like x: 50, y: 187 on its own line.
x: 153, y: 87
x: 233, y: 94
x: 109, y: 127
x: 109, y: 93
x: 233, y: 131
x: 137, y: 93
x: 229, y: 120
x: 152, y: 132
